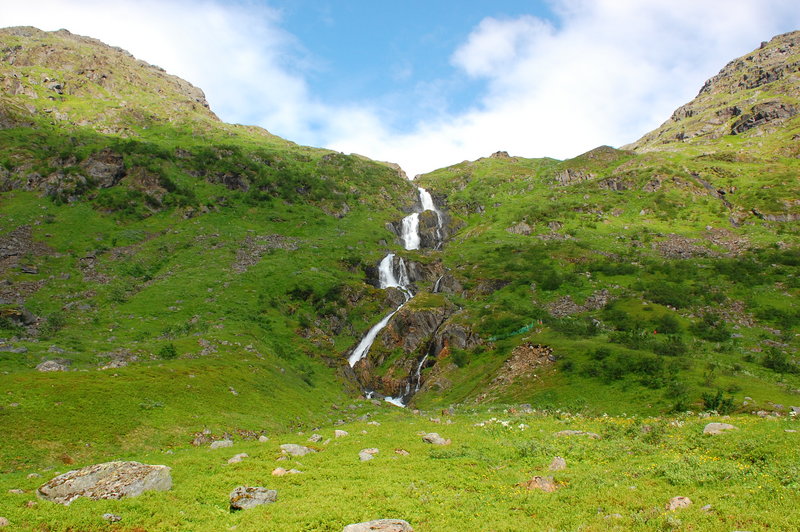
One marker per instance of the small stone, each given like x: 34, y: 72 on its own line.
x: 402, y: 452
x: 380, y: 525
x: 4, y: 522
x: 314, y: 438
x: 565, y: 433
x: 34, y: 475
x: 221, y: 444
x: 794, y: 410
x: 435, y: 439
x: 246, y: 497
x: 367, y: 454
x: 435, y: 420
x: 112, y: 518
x: 340, y: 433
x: 789, y: 430
x: 296, y: 450
x: 263, y: 439
x: 237, y: 458
x: 676, y: 503
x: 707, y: 508
x: 374, y: 423
x: 279, y: 472
x: 557, y: 464
x: 16, y: 491
x: 613, y: 516
x: 546, y: 484
x: 717, y: 428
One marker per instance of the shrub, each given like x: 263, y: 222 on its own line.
x: 717, y: 403
x: 777, y: 360
x: 168, y: 351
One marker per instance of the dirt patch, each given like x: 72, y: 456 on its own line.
x: 526, y: 362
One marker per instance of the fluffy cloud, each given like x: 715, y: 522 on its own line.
x: 601, y: 72
x: 607, y: 72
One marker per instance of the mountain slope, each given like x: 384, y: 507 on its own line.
x: 649, y: 277
x: 182, y: 273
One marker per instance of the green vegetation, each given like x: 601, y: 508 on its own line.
x: 741, y: 479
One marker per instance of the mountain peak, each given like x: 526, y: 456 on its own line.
x: 54, y: 75
x: 758, y: 91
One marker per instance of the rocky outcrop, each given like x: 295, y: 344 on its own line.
x: 570, y: 176
x: 763, y: 113
x: 110, y: 480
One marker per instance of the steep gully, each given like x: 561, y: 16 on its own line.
x: 394, y: 274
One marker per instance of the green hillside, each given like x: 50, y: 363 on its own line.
x: 168, y: 280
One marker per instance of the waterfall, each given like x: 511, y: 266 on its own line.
x: 437, y: 283
x: 394, y: 274
x: 418, y: 376
x: 386, y: 279
x: 409, y: 231
x: 427, y: 205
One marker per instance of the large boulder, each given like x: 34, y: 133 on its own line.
x: 382, y: 525
x: 109, y: 480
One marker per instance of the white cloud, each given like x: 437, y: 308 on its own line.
x: 603, y: 72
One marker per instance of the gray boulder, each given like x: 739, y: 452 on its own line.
x: 435, y: 439
x: 58, y: 364
x: 296, y: 450
x: 717, y: 428
x: 246, y: 497
x: 221, y: 444
x: 109, y: 480
x: 382, y: 525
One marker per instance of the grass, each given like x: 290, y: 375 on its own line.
x: 747, y: 476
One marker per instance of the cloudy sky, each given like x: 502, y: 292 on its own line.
x: 430, y: 83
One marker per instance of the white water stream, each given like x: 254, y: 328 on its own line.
x: 387, y: 278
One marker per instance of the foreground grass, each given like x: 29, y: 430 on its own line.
x: 750, y: 477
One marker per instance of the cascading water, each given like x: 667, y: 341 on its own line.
x: 409, y: 231
x: 396, y: 276
x: 386, y: 279
x: 427, y: 205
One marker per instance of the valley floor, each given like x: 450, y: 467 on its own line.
x: 620, y: 474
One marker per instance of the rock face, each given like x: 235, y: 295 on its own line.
x: 717, y: 428
x: 246, y: 497
x: 381, y: 525
x: 110, y: 480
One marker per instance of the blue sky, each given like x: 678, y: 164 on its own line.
x: 429, y: 84
x: 388, y: 52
